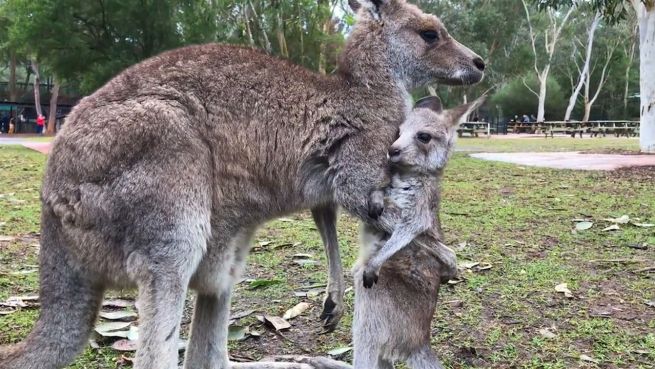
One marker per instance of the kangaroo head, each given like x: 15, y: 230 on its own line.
x: 414, y: 46
x: 427, y: 135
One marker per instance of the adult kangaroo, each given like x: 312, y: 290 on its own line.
x: 159, y: 179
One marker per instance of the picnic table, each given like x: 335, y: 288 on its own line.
x: 618, y: 128
x: 474, y: 129
x: 569, y: 128
x: 523, y: 127
x: 594, y: 128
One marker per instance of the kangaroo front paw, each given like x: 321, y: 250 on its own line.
x: 376, y: 204
x: 332, y: 311
x: 369, y: 277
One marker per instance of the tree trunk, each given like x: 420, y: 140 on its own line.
x: 13, y: 92
x: 325, y: 28
x: 631, y: 59
x: 543, y: 81
x: 52, y: 117
x: 585, y: 69
x: 646, y: 17
x: 37, y: 86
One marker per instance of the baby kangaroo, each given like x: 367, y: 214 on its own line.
x: 417, y: 159
x: 392, y: 320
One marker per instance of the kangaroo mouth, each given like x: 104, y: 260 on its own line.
x: 463, y: 77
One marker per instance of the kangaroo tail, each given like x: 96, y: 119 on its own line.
x: 69, y: 305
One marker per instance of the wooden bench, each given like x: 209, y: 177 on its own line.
x: 474, y: 129
x: 569, y: 128
x: 617, y: 128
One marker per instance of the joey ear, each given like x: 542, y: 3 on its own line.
x: 373, y: 6
x: 430, y: 102
x: 456, y: 114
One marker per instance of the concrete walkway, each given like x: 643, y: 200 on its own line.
x: 27, y: 141
x: 570, y: 160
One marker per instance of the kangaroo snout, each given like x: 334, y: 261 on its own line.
x: 479, y: 63
x: 394, y: 154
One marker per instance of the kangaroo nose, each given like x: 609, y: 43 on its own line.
x: 479, y: 63
x: 394, y: 152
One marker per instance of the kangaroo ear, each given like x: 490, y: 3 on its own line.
x: 430, y: 102
x: 456, y: 114
x: 373, y: 6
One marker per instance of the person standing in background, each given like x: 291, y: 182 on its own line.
x: 40, y: 122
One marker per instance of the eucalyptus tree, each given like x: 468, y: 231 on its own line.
x: 616, y: 11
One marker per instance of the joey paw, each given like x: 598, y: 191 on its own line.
x: 369, y: 277
x: 376, y: 204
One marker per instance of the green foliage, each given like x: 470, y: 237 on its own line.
x: 613, y: 10
x: 516, y: 99
x: 88, y: 42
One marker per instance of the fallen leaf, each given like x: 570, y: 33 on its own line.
x: 643, y: 225
x: 638, y: 246
x: 124, y: 345
x: 650, y: 303
x: 113, y: 329
x: 546, y: 333
x: 563, y: 288
x: 264, y: 243
x: 589, y: 359
x: 303, y: 256
x: 613, y: 227
x: 625, y: 219
x: 303, y: 262
x: 118, y: 315
x: 94, y: 344
x: 258, y: 283
x: 7, y: 238
x: 485, y: 266
x: 24, y: 272
x: 117, y: 303
x: 241, y: 314
x: 276, y: 322
x: 583, y: 226
x: 296, y: 311
x: 133, y: 334
x: 339, y: 351
x: 237, y: 333
x: 469, y: 264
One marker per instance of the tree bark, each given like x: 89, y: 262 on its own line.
x: 585, y: 69
x: 543, y: 80
x: 631, y: 59
x: 13, y: 92
x: 52, y: 117
x: 37, y: 86
x: 646, y: 16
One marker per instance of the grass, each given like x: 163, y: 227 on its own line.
x: 520, y: 220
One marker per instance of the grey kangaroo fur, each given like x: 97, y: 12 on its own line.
x: 417, y: 158
x: 392, y: 320
x: 159, y: 179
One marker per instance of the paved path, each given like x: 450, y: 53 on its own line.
x: 42, y: 147
x: 570, y: 160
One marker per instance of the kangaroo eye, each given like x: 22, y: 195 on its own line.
x: 424, y: 137
x: 430, y: 36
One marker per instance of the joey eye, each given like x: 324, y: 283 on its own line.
x: 430, y: 36
x: 424, y: 137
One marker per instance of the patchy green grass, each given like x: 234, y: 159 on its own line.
x: 520, y: 220
x: 539, y: 143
